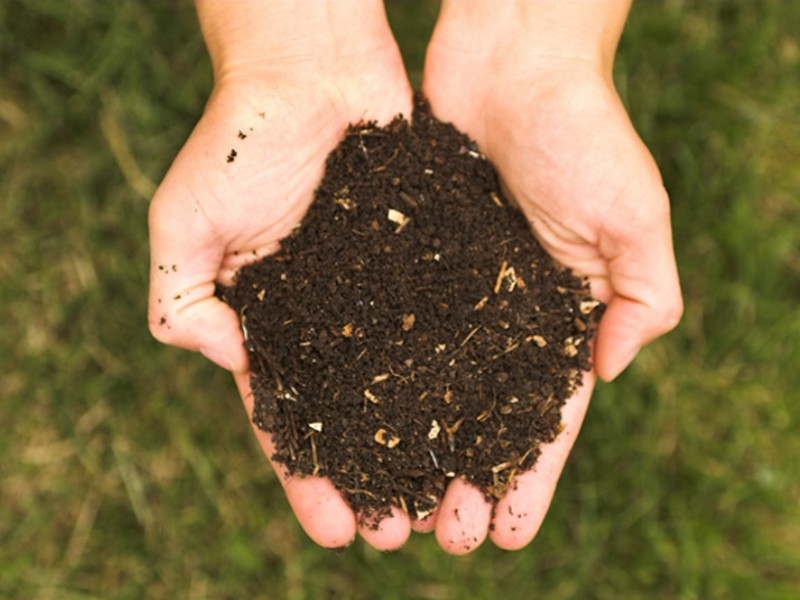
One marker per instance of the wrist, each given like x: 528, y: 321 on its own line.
x: 534, y: 32
x: 283, y: 36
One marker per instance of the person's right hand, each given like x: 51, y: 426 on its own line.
x: 289, y: 79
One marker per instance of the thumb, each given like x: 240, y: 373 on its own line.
x: 626, y: 326
x: 186, y: 254
x: 646, y: 297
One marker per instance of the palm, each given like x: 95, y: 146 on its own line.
x: 568, y: 157
x: 249, y: 170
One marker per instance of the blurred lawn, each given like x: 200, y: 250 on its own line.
x: 117, y: 480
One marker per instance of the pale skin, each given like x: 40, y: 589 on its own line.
x: 530, y: 81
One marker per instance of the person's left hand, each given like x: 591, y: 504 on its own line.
x: 567, y: 154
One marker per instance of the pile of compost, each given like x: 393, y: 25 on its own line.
x: 411, y: 329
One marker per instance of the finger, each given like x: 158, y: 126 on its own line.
x: 388, y: 533
x: 319, y: 507
x: 519, y: 515
x: 426, y: 524
x: 463, y: 518
x: 186, y: 254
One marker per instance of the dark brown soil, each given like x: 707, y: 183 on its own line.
x: 412, y: 330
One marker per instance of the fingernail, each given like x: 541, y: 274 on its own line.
x: 218, y: 358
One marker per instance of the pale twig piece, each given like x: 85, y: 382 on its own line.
x: 537, y: 339
x: 435, y: 429
x: 451, y: 434
x: 386, y: 438
x: 499, y: 282
x: 422, y: 514
x: 587, y: 306
x: 402, y: 503
x: 570, y: 348
x: 314, y: 456
x: 511, y: 279
x: 408, y: 199
x: 502, y: 467
x: 448, y: 395
x: 508, y: 275
x: 345, y: 203
x: 470, y: 334
x: 433, y: 458
x: 401, y: 220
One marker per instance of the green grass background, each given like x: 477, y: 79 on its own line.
x: 127, y: 468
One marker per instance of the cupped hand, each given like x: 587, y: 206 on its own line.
x: 568, y: 155
x: 243, y: 180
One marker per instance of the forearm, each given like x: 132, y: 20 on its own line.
x: 292, y: 33
x: 587, y: 30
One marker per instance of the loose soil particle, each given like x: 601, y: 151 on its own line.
x: 411, y: 330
